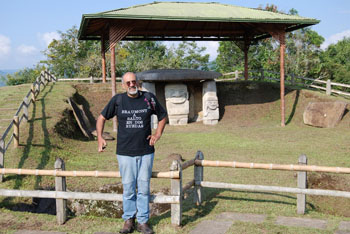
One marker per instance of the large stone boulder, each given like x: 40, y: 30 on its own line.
x: 324, y: 114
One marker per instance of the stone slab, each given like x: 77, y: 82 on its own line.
x: 243, y: 217
x: 342, y: 232
x: 37, y: 232
x: 344, y: 225
x: 106, y: 232
x: 324, y: 114
x: 177, y: 75
x: 212, y: 227
x: 301, y: 222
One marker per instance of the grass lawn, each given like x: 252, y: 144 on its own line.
x: 247, y: 132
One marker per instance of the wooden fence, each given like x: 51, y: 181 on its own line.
x: 262, y: 75
x: 21, y: 114
x: 291, y: 79
x: 177, y: 190
x: 90, y: 79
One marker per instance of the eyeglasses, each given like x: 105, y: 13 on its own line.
x: 129, y: 82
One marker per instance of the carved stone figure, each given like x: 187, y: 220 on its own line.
x: 210, y: 103
x: 150, y: 87
x: 177, y: 104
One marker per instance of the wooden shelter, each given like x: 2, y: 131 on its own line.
x: 190, y: 21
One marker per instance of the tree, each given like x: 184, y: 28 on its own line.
x: 336, y: 61
x: 23, y: 76
x: 301, y: 57
x: 70, y: 57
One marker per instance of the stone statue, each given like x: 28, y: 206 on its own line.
x: 150, y: 87
x: 210, y: 103
x: 177, y: 104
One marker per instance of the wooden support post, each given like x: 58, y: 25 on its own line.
x: 293, y: 79
x: 91, y: 80
x: 113, y: 78
x: 15, y: 131
x: 103, y: 55
x: 25, y: 108
x: 198, y: 177
x: 176, y: 190
x: 33, y: 92
x: 329, y: 88
x: 2, y: 157
x: 60, y: 185
x: 302, y: 184
x: 246, y: 48
x: 282, y: 52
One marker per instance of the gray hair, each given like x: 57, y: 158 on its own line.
x: 127, y: 73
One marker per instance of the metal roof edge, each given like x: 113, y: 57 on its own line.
x: 213, y: 19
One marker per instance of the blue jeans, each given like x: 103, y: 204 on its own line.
x: 136, y: 171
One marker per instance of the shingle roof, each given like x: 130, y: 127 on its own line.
x: 196, y: 12
x: 201, y: 11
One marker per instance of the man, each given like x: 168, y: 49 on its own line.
x: 135, y: 147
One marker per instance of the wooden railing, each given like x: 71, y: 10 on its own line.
x: 21, y: 114
x: 90, y: 79
x: 177, y: 191
x: 292, y: 79
x: 60, y: 193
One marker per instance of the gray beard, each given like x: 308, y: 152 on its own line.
x: 133, y: 92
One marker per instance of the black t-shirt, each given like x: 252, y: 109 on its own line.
x: 134, y: 121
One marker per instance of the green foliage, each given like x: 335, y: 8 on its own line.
x: 302, y: 55
x: 26, y: 75
x: 70, y: 57
x: 336, y: 61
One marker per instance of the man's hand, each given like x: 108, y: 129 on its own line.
x: 153, y: 139
x: 102, y: 144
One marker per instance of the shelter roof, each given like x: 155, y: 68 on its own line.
x: 189, y: 20
x: 177, y: 75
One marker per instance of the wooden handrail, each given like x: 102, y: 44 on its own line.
x: 108, y: 174
x: 270, y: 166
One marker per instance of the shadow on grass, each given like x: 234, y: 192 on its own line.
x: 192, y: 212
x: 294, y: 107
x: 45, y: 153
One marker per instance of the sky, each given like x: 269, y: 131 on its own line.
x: 27, y: 27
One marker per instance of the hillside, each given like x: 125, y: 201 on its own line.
x: 248, y: 131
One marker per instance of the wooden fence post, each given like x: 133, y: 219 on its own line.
x: 302, y: 183
x: 91, y: 80
x: 292, y: 79
x: 25, y: 108
x: 33, y: 92
x: 15, y: 131
x: 38, y: 84
x: 198, y: 178
x: 328, y: 87
x: 2, y: 157
x: 236, y: 74
x: 60, y: 185
x: 42, y: 79
x: 261, y: 74
x: 176, y: 190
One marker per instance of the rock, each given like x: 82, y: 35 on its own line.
x: 324, y: 114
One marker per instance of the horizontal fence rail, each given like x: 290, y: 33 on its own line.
x: 106, y: 174
x: 81, y: 195
x: 262, y: 188
x: 270, y: 166
x: 289, y: 78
